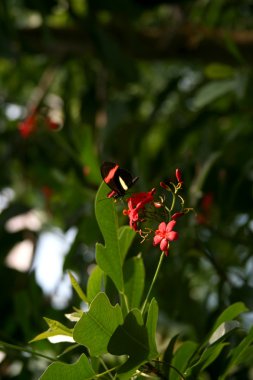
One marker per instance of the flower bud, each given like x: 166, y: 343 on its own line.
x: 179, y: 175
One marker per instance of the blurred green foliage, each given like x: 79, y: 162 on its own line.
x: 153, y: 85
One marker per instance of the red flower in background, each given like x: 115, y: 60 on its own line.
x: 206, y: 205
x: 28, y: 126
x: 51, y: 124
x: 164, y: 235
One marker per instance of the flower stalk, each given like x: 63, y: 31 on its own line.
x: 152, y: 283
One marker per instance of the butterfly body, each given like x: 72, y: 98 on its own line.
x: 118, y: 179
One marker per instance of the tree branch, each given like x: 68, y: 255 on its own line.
x: 187, y: 42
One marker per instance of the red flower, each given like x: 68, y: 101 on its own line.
x: 207, y: 202
x: 47, y: 191
x: 28, y: 126
x: 206, y: 208
x: 136, y: 203
x: 164, y: 235
x: 51, y: 124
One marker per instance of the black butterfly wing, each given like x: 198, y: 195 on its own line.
x: 118, y: 179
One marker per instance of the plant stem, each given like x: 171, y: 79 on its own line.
x: 4, y: 346
x: 152, y: 283
x: 124, y: 300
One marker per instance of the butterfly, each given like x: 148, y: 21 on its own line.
x: 118, y: 179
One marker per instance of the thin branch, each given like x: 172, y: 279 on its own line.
x: 186, y: 41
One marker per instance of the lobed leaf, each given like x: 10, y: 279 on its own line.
x: 108, y: 256
x: 81, y: 370
x: 130, y: 339
x: 126, y: 236
x: 95, y: 283
x: 134, y: 273
x: 95, y: 328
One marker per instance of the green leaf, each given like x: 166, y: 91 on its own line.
x: 181, y: 358
x: 96, y: 327
x: 126, y: 236
x: 212, y: 91
x: 55, y: 328
x: 88, y: 156
x: 224, y: 329
x: 237, y: 354
x: 225, y: 320
x: 151, y: 327
x: 207, y: 165
x: 81, y: 370
x: 95, y: 283
x: 207, y: 357
x: 109, y: 256
x: 168, y: 355
x: 219, y: 71
x: 75, y: 316
x: 130, y: 339
x: 134, y: 274
x: 230, y: 313
x: 77, y: 287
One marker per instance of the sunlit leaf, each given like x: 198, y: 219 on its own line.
x: 223, y: 329
x: 95, y: 283
x: 96, y: 326
x: 55, y: 328
x: 77, y: 287
x: 230, y: 313
x: 109, y: 256
x: 126, y: 236
x: 81, y: 370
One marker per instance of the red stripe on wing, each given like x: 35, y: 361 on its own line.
x: 111, y: 174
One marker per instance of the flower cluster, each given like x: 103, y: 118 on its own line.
x: 157, y: 217
x: 136, y: 207
x: 29, y: 125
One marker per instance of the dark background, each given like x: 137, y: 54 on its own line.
x: 153, y: 85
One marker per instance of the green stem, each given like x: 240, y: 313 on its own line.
x: 153, y: 282
x: 173, y: 201
x: 4, y: 346
x: 124, y: 300
x: 106, y: 368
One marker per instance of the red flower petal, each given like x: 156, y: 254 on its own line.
x: 173, y: 235
x: 170, y: 225
x: 157, y: 239
x: 164, y: 245
x: 162, y: 227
